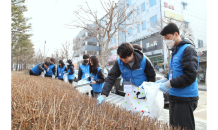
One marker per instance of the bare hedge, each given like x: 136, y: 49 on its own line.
x: 46, y: 104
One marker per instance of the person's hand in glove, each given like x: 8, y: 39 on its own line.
x: 162, y: 80
x: 100, y: 99
x: 164, y: 87
x: 44, y: 71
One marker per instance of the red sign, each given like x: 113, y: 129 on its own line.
x: 168, y: 6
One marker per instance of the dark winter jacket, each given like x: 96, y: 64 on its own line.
x: 189, y: 65
x: 101, y: 77
x: 80, y: 73
x: 115, y: 72
x: 71, y: 69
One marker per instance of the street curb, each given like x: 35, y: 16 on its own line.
x: 202, y: 88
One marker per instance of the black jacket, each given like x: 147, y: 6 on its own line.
x: 101, y: 77
x: 41, y: 67
x: 189, y: 65
x: 64, y: 70
x: 80, y: 73
x: 71, y: 69
x: 115, y: 72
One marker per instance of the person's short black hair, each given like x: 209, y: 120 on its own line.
x: 171, y: 28
x: 47, y: 63
x: 137, y: 46
x: 86, y: 56
x: 52, y: 59
x: 125, y: 50
x: 69, y: 61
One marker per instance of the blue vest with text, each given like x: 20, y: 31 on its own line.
x: 138, y: 75
x: 61, y: 72
x: 85, y: 69
x: 98, y: 86
x: 70, y: 77
x: 188, y: 91
x: 49, y: 70
x: 35, y: 69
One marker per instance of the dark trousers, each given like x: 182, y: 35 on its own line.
x: 181, y: 114
x: 70, y: 81
x: 31, y: 73
x: 48, y: 76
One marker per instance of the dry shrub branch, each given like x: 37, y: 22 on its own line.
x: 48, y: 104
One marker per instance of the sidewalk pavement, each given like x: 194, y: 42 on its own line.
x: 200, y: 124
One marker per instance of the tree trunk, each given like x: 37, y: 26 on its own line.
x: 12, y: 58
x: 17, y: 64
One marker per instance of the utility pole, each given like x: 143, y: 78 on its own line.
x: 44, y: 52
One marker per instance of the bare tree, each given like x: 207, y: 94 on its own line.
x: 184, y: 29
x: 66, y: 50
x: 107, y: 28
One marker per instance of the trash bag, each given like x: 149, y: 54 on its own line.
x: 65, y: 77
x: 146, y: 100
x: 43, y: 74
x: 155, y: 99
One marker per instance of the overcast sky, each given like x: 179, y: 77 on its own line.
x: 49, y: 17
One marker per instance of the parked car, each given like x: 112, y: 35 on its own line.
x: 76, y: 76
x: 118, y: 89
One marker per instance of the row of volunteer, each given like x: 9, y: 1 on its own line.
x: 135, y: 68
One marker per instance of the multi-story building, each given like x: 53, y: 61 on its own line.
x: 192, y: 12
x: 89, y: 46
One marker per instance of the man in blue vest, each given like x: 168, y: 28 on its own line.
x: 51, y: 68
x: 38, y: 69
x: 181, y: 81
x: 84, y: 68
x: 134, y: 67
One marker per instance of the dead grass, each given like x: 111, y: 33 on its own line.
x: 47, y: 104
x: 24, y: 72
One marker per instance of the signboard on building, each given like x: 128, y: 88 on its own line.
x: 168, y: 6
x: 173, y: 15
x: 111, y: 58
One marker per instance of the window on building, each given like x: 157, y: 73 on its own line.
x: 200, y: 43
x: 153, y: 20
x: 152, y: 2
x: 186, y: 24
x: 138, y: 10
x: 143, y: 7
x: 184, y: 5
x: 129, y: 2
x: 144, y: 25
x: 129, y: 32
x: 138, y: 28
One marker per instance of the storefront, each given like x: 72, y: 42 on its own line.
x: 157, y: 61
x: 202, y: 52
x: 112, y: 56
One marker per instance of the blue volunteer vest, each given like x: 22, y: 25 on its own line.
x: 61, y: 72
x: 49, y: 70
x: 138, y: 75
x: 85, y: 69
x: 71, y: 77
x: 189, y: 91
x: 35, y: 69
x: 98, y: 86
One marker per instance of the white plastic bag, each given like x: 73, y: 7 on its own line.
x: 65, y: 77
x: 42, y: 74
x: 155, y: 99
